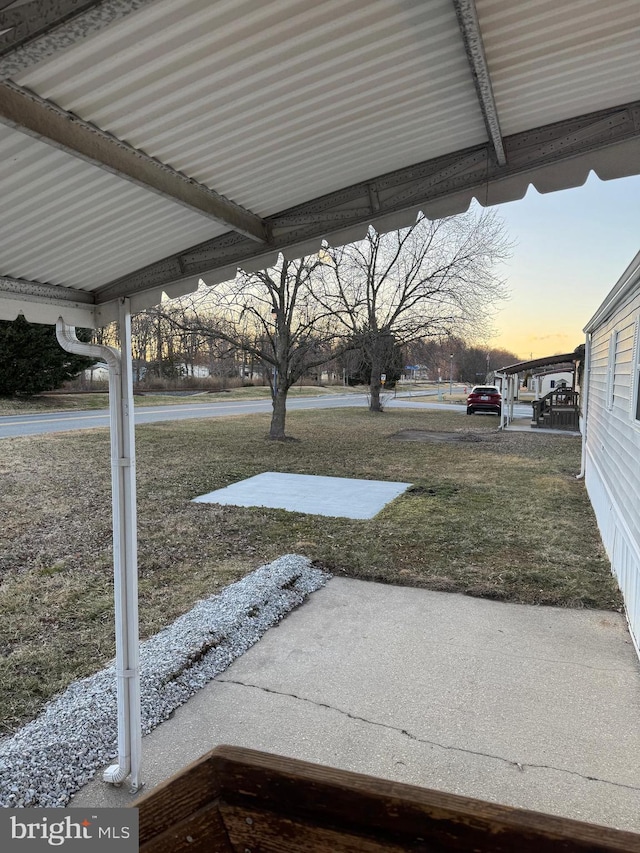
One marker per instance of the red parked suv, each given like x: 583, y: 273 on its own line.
x: 484, y: 398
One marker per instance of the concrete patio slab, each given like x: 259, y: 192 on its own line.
x: 519, y: 424
x: 534, y: 707
x: 334, y: 496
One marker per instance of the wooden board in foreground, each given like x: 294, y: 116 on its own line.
x: 235, y: 800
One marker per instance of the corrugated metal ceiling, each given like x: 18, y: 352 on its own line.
x: 66, y: 222
x: 550, y: 60
x: 274, y: 103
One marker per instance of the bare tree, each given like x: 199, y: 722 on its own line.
x: 143, y: 334
x: 434, y: 279
x: 273, y: 316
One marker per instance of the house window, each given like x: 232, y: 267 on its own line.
x: 552, y: 383
x: 611, y: 368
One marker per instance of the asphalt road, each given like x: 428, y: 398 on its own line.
x: 47, y: 422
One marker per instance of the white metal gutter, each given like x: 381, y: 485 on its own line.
x: 123, y: 498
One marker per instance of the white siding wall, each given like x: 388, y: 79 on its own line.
x: 613, y: 451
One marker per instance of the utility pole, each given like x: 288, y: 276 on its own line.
x: 451, y: 374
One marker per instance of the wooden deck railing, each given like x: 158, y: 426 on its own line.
x: 559, y: 409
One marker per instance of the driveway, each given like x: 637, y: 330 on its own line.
x: 529, y: 706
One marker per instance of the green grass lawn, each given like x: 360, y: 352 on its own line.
x: 498, y: 515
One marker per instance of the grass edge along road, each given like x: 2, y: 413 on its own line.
x: 499, y: 515
x: 90, y: 401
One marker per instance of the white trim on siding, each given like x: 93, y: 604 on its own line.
x: 611, y: 368
x: 635, y: 373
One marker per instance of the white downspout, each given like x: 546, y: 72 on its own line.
x: 584, y: 393
x: 123, y: 499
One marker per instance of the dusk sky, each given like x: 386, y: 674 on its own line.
x: 571, y: 248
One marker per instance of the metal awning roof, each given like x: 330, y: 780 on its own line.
x: 149, y: 143
x: 569, y: 359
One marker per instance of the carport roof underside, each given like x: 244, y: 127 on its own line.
x: 146, y: 144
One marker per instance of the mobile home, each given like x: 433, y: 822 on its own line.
x: 611, y: 432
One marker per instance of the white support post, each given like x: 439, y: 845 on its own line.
x: 123, y: 492
x: 123, y: 498
x: 506, y: 409
x: 514, y: 379
x: 505, y: 402
x: 500, y: 376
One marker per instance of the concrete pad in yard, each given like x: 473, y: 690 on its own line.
x: 534, y: 707
x: 334, y: 496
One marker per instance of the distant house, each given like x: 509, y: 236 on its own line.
x: 611, y: 432
x: 199, y: 371
x: 544, y: 382
x: 99, y: 372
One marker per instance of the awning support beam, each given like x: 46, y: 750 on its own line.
x: 472, y: 37
x: 29, y: 113
x: 42, y: 32
x: 125, y: 564
x: 429, y: 186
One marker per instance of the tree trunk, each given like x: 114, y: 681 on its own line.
x: 374, y: 385
x: 374, y: 395
x: 279, y: 414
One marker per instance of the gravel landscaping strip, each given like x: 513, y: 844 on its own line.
x: 50, y: 758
